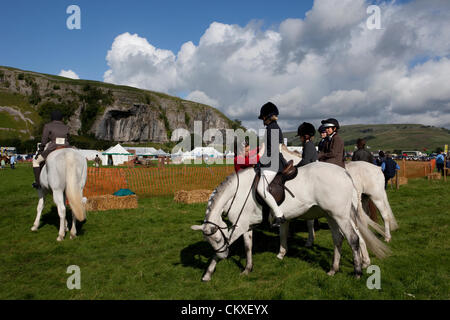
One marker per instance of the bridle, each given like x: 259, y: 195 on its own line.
x: 226, y: 243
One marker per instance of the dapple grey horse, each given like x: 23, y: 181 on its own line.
x: 64, y: 174
x: 312, y: 199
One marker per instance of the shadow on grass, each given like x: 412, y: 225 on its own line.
x: 265, y: 239
x: 52, y: 218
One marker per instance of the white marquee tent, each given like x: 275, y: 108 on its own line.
x: 118, y: 154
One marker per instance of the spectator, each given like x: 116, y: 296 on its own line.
x: 440, y: 162
x: 362, y: 154
x: 389, y: 168
x: 97, y: 161
x: 2, y: 163
x: 12, y: 161
x: 380, y: 158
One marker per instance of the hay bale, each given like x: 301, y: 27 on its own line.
x: 434, y: 176
x: 110, y: 202
x: 193, y: 196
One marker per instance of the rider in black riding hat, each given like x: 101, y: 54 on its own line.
x: 271, y: 159
x: 56, y: 134
x: 306, y: 132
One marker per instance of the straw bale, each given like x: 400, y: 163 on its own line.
x: 110, y: 202
x: 434, y: 176
x: 193, y: 196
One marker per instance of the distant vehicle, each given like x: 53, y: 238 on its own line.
x: 412, y: 154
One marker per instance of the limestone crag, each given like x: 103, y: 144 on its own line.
x: 120, y: 113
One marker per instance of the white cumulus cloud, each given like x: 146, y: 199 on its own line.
x: 328, y: 64
x: 68, y: 74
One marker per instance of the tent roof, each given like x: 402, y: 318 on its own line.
x: 117, y: 150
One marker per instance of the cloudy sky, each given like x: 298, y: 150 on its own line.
x: 314, y: 59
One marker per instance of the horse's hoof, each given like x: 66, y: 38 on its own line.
x: 60, y: 238
x: 387, y: 239
x: 309, y: 244
x: 246, y: 272
x: 33, y: 228
x: 331, y: 273
x: 357, y: 276
x: 206, y: 279
x: 72, y: 236
x: 280, y: 256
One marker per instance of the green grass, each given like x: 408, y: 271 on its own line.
x: 151, y: 253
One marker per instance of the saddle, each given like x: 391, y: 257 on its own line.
x: 277, y: 187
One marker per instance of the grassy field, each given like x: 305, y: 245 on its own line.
x: 151, y: 253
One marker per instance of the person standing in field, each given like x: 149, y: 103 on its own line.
x: 2, y: 163
x: 334, y: 147
x: 440, y: 162
x: 12, y: 162
x: 362, y: 154
x: 389, y: 168
x: 97, y: 161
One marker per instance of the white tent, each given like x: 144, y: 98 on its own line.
x: 206, y: 152
x: 143, y: 151
x: 117, y: 153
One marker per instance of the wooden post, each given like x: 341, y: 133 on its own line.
x: 445, y: 169
x: 396, y: 181
x: 404, y: 168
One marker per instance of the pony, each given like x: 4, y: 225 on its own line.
x: 369, y: 182
x: 310, y: 199
x: 64, y: 174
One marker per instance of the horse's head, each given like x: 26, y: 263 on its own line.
x: 217, y: 237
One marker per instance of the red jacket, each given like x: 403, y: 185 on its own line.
x: 241, y: 162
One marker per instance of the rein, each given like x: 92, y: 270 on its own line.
x: 226, y: 243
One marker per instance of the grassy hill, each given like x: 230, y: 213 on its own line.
x: 389, y: 137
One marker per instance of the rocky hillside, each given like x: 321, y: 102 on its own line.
x: 102, y: 110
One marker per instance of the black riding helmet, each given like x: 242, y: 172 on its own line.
x: 321, y: 129
x: 306, y: 129
x: 56, y: 115
x: 268, y: 110
x: 331, y: 122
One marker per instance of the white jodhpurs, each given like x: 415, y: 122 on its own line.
x: 37, y: 162
x: 263, y: 190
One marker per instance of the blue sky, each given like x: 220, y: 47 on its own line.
x: 35, y: 36
x: 327, y: 63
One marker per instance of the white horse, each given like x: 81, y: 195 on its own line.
x: 368, y: 180
x: 64, y: 174
x: 320, y: 190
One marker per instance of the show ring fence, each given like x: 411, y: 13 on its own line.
x: 154, y: 181
x: 168, y: 180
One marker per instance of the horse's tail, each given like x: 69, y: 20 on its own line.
x: 376, y: 246
x: 393, y: 225
x: 73, y: 187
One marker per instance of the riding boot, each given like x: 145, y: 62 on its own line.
x: 37, y: 173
